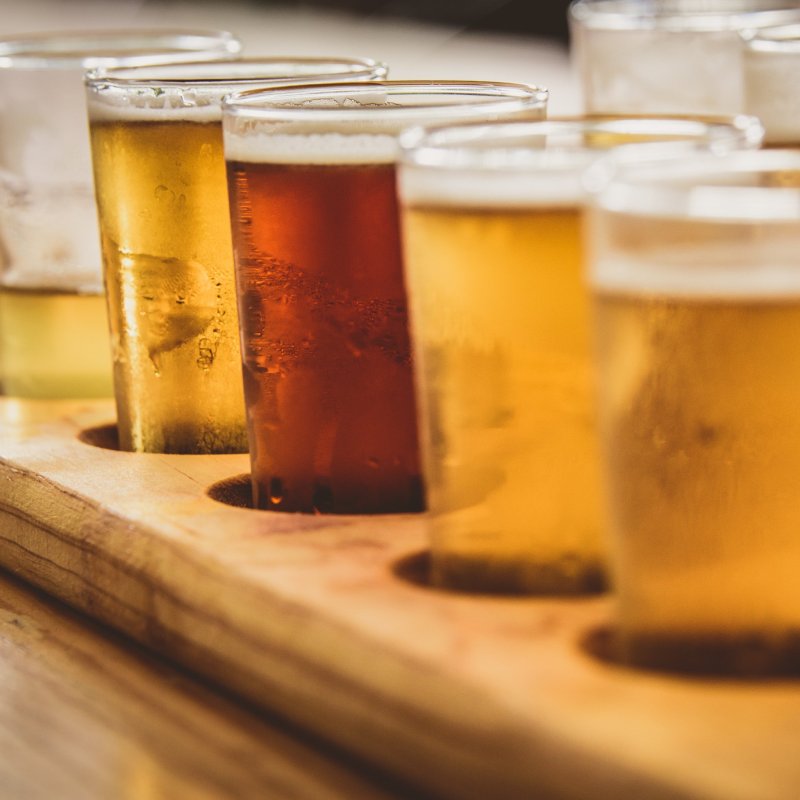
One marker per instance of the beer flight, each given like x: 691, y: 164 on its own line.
x: 558, y: 339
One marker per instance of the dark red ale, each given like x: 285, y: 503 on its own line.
x: 327, y: 361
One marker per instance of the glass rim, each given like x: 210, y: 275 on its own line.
x: 276, y: 104
x: 702, y: 186
x: 774, y: 39
x: 136, y: 77
x: 109, y: 47
x: 635, y: 15
x: 500, y: 145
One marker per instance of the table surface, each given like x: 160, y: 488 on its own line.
x: 324, y: 621
x: 87, y: 715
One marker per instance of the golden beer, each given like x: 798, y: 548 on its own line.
x: 696, y: 285
x: 53, y: 343
x: 500, y: 321
x: 162, y: 199
x: 502, y: 334
x: 166, y: 242
x: 53, y: 328
x: 702, y: 434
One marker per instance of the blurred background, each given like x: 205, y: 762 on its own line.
x: 512, y: 40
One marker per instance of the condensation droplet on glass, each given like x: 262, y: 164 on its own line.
x: 164, y: 193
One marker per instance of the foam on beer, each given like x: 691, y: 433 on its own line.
x: 150, y: 106
x: 516, y: 178
x: 311, y: 148
x: 479, y: 189
x: 714, y: 272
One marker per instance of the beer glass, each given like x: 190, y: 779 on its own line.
x: 322, y: 303
x: 500, y: 322
x: 53, y: 330
x: 165, y: 235
x: 771, y: 90
x: 667, y: 56
x: 695, y: 274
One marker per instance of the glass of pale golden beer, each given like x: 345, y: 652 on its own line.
x: 53, y: 329
x: 667, y: 56
x: 322, y: 302
x: 500, y: 323
x: 771, y: 89
x: 695, y: 273
x: 162, y: 203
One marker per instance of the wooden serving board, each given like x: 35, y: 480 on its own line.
x: 327, y: 621
x: 87, y: 715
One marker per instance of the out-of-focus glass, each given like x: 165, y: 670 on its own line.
x: 667, y: 56
x: 771, y: 87
x: 322, y: 302
x: 53, y: 329
x: 166, y: 241
x: 695, y: 274
x: 500, y: 321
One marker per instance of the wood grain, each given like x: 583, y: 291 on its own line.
x: 87, y: 716
x: 316, y: 618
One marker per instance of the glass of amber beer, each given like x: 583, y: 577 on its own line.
x: 53, y: 329
x: 322, y: 302
x: 695, y: 274
x: 667, y: 56
x: 500, y: 322
x: 165, y: 235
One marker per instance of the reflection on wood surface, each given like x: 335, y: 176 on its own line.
x: 85, y: 715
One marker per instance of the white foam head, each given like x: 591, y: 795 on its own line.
x: 154, y: 105
x: 534, y: 180
x: 360, y: 123
x: 331, y: 148
x: 195, y: 91
x: 704, y: 272
x: 521, y: 164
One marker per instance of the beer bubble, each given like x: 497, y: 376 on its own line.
x: 207, y: 351
x: 707, y: 434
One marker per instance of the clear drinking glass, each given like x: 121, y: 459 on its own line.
x: 322, y: 302
x: 771, y: 88
x: 166, y: 241
x: 53, y: 329
x: 500, y: 321
x: 667, y: 56
x: 695, y: 273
